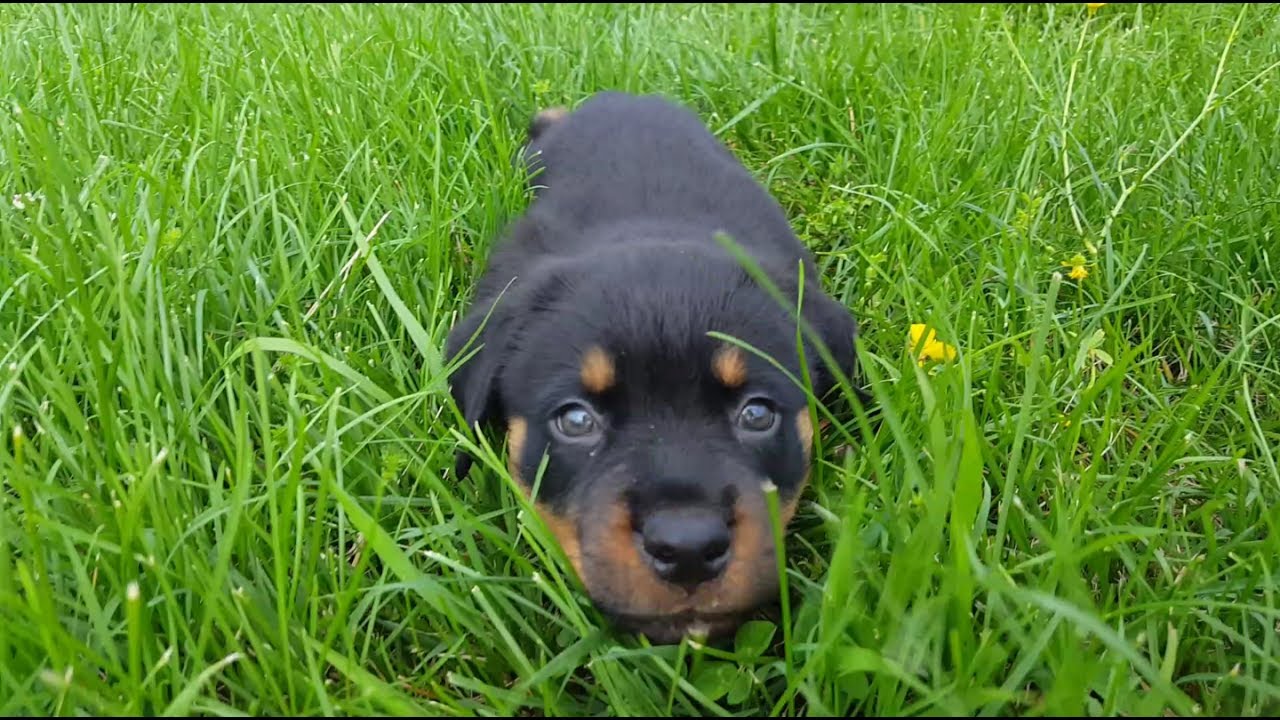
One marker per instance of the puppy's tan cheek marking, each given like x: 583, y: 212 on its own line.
x: 597, y: 372
x: 804, y: 429
x: 517, y: 431
x: 565, y: 530
x: 563, y: 527
x: 753, y: 569
x: 747, y: 564
x: 730, y: 366
x: 787, y: 510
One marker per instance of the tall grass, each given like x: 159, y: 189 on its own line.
x: 232, y: 239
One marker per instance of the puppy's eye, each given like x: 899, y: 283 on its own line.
x: 576, y: 421
x: 756, y: 416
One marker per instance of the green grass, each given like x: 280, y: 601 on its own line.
x: 232, y: 240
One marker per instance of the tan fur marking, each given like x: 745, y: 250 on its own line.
x: 730, y: 366
x: 564, y: 528
x: 598, y: 372
x: 748, y: 563
x: 517, y: 430
x: 787, y: 510
x: 804, y: 428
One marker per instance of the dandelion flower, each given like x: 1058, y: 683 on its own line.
x: 1078, y: 269
x: 1094, y: 7
x: 928, y: 346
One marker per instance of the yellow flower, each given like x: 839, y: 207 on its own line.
x: 1093, y: 7
x: 1078, y: 270
x: 931, y: 348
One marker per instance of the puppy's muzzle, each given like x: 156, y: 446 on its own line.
x: 686, y: 546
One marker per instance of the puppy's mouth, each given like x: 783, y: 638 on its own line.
x: 671, y: 629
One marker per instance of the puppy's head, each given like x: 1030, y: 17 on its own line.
x: 660, y: 439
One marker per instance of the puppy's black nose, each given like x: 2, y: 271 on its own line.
x: 686, y: 546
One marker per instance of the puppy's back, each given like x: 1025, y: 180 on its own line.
x: 622, y: 158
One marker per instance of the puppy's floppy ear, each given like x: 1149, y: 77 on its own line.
x: 477, y: 341
x: 835, y: 325
x: 489, y: 335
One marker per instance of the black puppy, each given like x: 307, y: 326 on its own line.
x: 593, y: 323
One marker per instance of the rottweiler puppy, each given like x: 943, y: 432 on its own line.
x: 589, y: 342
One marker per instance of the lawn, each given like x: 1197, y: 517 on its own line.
x: 233, y: 238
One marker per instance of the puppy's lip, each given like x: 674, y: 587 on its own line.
x: 669, y: 629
